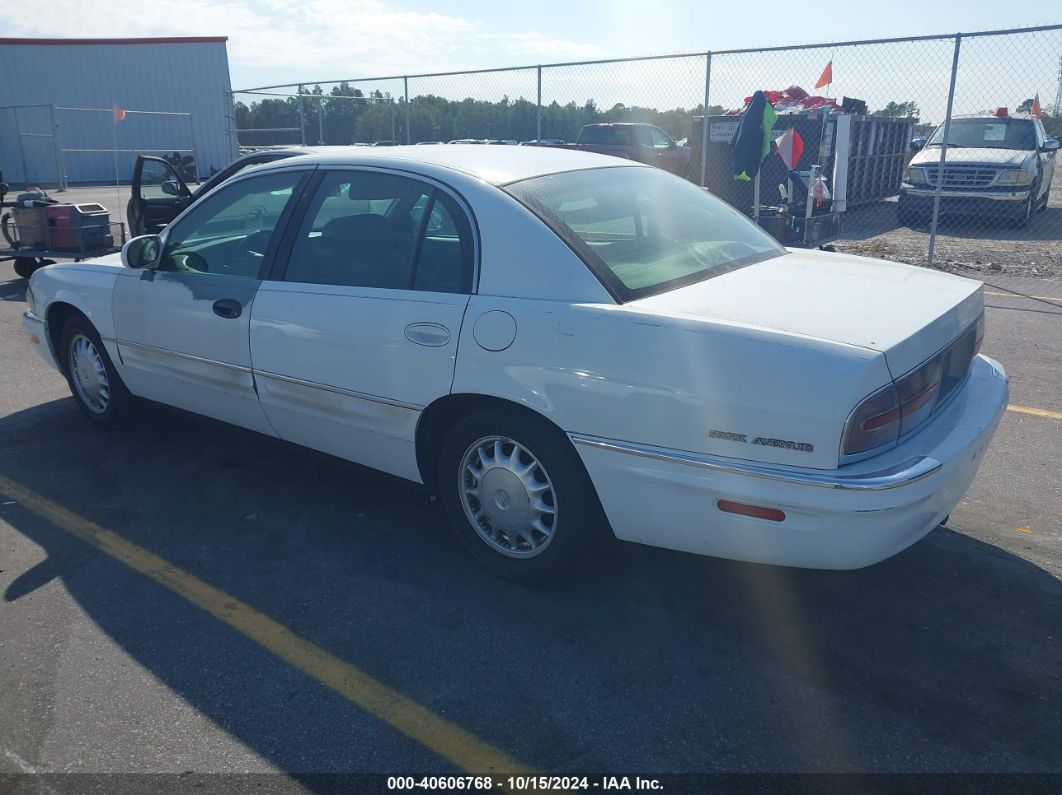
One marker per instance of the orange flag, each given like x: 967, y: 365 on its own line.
x: 1035, y: 109
x: 827, y: 76
x: 119, y: 113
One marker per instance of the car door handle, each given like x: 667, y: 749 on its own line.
x: 434, y: 335
x: 228, y: 308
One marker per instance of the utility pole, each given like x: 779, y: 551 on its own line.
x: 1058, y: 93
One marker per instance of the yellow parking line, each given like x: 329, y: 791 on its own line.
x: 1051, y: 415
x: 461, y: 747
x: 1022, y: 295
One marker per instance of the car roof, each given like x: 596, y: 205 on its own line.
x: 498, y: 165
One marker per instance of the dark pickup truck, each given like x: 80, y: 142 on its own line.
x: 642, y: 142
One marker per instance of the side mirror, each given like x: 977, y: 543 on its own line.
x: 170, y: 188
x: 917, y: 144
x: 1051, y: 145
x: 142, y: 252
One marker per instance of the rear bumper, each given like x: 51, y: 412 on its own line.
x: 845, y: 519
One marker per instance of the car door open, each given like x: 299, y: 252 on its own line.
x: 157, y: 196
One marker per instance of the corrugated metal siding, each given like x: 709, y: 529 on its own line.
x: 186, y: 77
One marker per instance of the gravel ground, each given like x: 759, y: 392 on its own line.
x: 981, y: 248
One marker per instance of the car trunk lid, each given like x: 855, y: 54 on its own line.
x: 906, y: 313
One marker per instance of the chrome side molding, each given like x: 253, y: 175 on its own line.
x: 890, y: 478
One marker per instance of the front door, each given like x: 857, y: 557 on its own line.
x: 156, y: 197
x: 183, y: 327
x: 360, y: 332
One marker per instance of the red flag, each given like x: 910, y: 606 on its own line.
x: 827, y: 76
x: 1035, y: 109
x: 119, y: 113
x: 790, y: 148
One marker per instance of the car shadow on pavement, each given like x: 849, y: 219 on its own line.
x: 944, y: 658
x: 13, y: 290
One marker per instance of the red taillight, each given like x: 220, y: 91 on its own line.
x: 875, y: 422
x: 881, y: 420
x: 755, y: 511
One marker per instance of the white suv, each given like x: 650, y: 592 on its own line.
x: 996, y: 167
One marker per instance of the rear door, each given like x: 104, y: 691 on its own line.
x: 157, y: 196
x: 360, y: 331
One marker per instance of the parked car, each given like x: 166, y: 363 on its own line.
x: 159, y: 194
x: 642, y: 143
x: 555, y: 343
x: 997, y: 167
x: 543, y: 142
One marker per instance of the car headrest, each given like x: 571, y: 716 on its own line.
x: 366, y: 226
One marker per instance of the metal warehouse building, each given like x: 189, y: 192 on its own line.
x: 86, y: 107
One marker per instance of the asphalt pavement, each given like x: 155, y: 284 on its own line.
x: 250, y: 585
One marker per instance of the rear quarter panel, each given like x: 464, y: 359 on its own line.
x: 614, y: 372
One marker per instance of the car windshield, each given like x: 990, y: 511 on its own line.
x: 995, y: 133
x: 644, y: 231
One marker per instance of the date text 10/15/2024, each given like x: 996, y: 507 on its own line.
x: 524, y: 783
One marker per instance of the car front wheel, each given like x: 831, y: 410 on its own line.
x: 95, y: 384
x: 1021, y: 220
x: 518, y: 495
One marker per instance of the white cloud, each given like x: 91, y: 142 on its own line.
x: 318, y: 39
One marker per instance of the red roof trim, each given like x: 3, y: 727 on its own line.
x: 159, y: 40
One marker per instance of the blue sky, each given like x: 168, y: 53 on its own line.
x: 276, y: 41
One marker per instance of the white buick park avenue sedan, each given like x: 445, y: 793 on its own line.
x: 558, y: 344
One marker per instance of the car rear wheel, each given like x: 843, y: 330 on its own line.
x: 27, y: 266
x: 518, y: 495
x: 95, y: 384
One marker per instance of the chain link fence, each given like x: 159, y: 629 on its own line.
x: 58, y: 145
x: 932, y: 150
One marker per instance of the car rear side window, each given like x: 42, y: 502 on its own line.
x: 643, y: 231
x: 370, y: 229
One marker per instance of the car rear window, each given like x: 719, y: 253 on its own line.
x: 604, y: 136
x: 643, y: 231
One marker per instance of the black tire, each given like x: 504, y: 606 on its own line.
x: 579, y: 521
x: 120, y: 405
x: 25, y: 266
x: 1046, y: 200
x: 1027, y: 209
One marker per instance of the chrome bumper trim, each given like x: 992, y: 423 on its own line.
x: 929, y: 193
x: 893, y: 477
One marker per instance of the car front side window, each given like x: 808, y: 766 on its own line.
x: 660, y: 140
x: 227, y: 233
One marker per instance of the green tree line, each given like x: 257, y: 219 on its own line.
x: 345, y: 115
